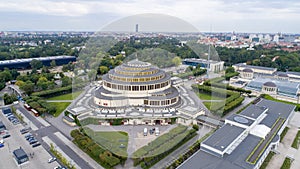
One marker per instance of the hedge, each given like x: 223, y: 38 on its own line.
x: 232, y: 101
x: 58, y: 91
x: 148, y: 155
x: 102, y: 156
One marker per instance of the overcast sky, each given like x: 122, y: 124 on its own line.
x: 92, y: 15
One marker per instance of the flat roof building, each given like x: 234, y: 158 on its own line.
x: 213, y: 66
x: 25, y: 63
x: 20, y: 156
x: 245, y: 140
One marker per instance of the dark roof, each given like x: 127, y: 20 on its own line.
x: 282, y: 75
x: 221, y: 141
x: 236, y: 160
x: 247, y: 70
x: 20, y: 153
x: 270, y: 84
x: 275, y: 110
x: 253, y: 111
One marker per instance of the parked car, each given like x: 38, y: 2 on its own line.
x: 51, y: 160
x: 156, y: 131
x: 32, y: 142
x: 145, y: 131
x: 24, y: 130
x: 1, y: 145
x: 36, y: 144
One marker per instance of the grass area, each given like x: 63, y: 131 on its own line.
x: 114, y: 141
x: 206, y: 96
x: 102, y: 156
x: 68, y: 96
x: 286, y: 129
x: 60, y: 107
x: 156, y: 150
x: 162, y: 143
x: 286, y: 164
x: 267, y: 160
x: 296, y: 141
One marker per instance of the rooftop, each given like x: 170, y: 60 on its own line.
x: 253, y: 111
x: 255, y: 67
x: 221, y: 141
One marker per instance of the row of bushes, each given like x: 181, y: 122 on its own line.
x: 194, y: 72
x: 102, y: 156
x: 193, y: 149
x: 58, y: 91
x: 59, y: 156
x: 40, y: 105
x: 217, y: 82
x: 148, y: 155
x: 230, y: 75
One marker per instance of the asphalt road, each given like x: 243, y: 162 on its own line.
x: 49, y: 131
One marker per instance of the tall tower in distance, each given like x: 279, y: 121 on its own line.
x: 137, y: 28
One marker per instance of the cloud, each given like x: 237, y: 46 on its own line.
x: 201, y: 13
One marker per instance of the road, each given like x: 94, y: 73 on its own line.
x: 49, y: 131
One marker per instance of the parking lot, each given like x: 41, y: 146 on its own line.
x: 38, y: 156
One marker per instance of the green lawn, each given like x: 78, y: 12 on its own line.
x: 206, y: 96
x: 286, y: 164
x: 296, y: 141
x: 68, y: 96
x: 114, y: 141
x: 60, y: 107
x: 267, y: 160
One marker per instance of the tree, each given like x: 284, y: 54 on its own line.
x: 27, y: 87
x: 103, y: 69
x: 65, y: 81
x: 176, y: 60
x: 53, y: 63
x: 230, y: 70
x: 36, y: 64
x: 42, y: 83
x: 5, y: 75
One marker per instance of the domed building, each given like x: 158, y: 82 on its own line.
x: 247, y: 73
x: 269, y: 88
x: 136, y: 83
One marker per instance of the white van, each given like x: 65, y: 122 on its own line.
x: 145, y: 131
x: 156, y: 131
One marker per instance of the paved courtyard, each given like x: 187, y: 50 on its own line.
x: 285, y: 149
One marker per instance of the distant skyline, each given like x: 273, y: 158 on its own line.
x: 93, y: 15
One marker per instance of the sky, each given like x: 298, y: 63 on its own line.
x: 266, y: 16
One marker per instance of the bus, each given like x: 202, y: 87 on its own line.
x: 27, y: 107
x: 36, y: 113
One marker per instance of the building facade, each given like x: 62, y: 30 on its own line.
x: 136, y: 83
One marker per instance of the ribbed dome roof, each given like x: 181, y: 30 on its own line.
x: 270, y: 84
x: 248, y: 70
x: 137, y: 63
